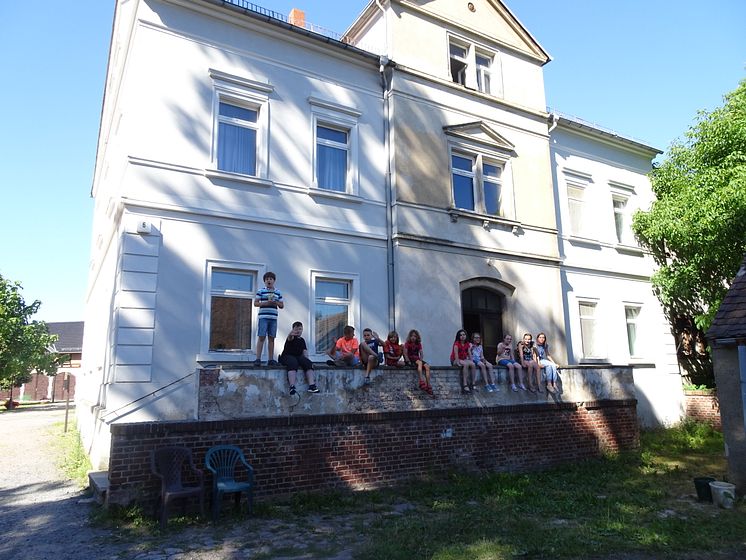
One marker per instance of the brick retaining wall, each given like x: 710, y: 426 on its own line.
x: 703, y: 406
x: 367, y: 450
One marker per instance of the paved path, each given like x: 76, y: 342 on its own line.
x: 45, y: 517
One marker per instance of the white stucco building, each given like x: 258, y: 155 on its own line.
x: 415, y: 180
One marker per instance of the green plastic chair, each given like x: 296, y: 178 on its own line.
x: 222, y: 461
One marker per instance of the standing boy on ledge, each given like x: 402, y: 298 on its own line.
x: 268, y: 300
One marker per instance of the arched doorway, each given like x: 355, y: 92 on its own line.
x: 482, y: 311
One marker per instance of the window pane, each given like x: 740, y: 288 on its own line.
x: 327, y: 289
x: 230, y: 323
x: 463, y: 192
x: 331, y: 134
x: 491, y: 170
x: 457, y: 50
x: 588, y: 333
x: 330, y: 322
x: 465, y: 164
x: 631, y: 314
x: 223, y: 280
x: 331, y: 168
x: 236, y: 149
x: 458, y: 71
x: 483, y: 61
x: 234, y: 112
x: 492, y: 198
x: 632, y: 338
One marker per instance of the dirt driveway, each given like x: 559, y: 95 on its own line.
x: 43, y: 516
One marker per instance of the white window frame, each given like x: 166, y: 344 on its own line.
x: 621, y: 192
x: 257, y: 271
x: 473, y: 75
x: 247, y: 94
x: 353, y: 303
x: 335, y: 116
x: 484, y: 72
x: 637, y: 321
x: 598, y: 330
x: 479, y: 157
x: 579, y: 182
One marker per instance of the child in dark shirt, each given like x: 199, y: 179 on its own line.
x: 294, y: 356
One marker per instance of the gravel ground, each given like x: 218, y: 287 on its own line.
x: 44, y: 516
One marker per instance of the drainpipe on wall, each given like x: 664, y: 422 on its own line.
x: 386, y: 70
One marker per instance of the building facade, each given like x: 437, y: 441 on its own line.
x: 406, y: 175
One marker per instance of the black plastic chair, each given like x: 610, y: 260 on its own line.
x: 222, y: 461
x: 170, y: 464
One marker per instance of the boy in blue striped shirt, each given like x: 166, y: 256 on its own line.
x: 268, y: 300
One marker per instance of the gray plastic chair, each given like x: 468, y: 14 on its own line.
x: 170, y: 464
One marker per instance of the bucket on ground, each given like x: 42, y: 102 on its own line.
x: 702, y: 486
x: 723, y: 494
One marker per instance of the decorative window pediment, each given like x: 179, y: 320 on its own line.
x: 480, y: 133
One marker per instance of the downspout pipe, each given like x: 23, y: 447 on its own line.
x: 386, y: 71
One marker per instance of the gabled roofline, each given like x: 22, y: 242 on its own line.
x: 461, y: 130
x: 372, y: 8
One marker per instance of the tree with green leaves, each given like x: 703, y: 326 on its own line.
x: 25, y: 344
x: 696, y: 228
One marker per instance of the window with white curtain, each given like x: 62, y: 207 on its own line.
x: 632, y: 314
x: 576, y: 207
x: 231, y: 309
x: 240, y: 137
x: 335, y: 146
x: 589, y: 329
x: 332, y: 157
x: 237, y: 132
x: 620, y: 218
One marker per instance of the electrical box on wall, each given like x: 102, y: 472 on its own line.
x: 143, y: 226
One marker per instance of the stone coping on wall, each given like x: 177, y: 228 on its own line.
x: 230, y: 393
x: 174, y: 427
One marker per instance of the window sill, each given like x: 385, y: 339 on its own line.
x: 225, y: 357
x: 587, y: 241
x: 216, y: 174
x: 629, y: 249
x: 336, y: 195
x: 486, y: 219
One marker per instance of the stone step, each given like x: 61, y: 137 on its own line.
x: 98, y: 481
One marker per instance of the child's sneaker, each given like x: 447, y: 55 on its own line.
x: 514, y: 388
x: 292, y: 390
x: 313, y: 388
x: 495, y: 388
x: 257, y: 362
x: 488, y: 387
x: 273, y: 363
x: 429, y: 389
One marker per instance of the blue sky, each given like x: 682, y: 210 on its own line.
x: 643, y: 68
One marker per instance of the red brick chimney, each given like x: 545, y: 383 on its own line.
x: 297, y: 17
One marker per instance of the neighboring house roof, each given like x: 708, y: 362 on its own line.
x: 576, y: 123
x: 70, y: 336
x: 730, y: 320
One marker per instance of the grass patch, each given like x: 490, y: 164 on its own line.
x: 73, y: 459
x: 633, y: 502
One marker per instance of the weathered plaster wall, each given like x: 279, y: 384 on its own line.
x: 244, y: 393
